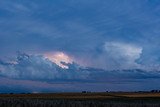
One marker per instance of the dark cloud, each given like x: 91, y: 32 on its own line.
x: 37, y: 67
x: 21, y: 75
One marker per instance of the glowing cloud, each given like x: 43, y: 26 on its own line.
x: 58, y: 57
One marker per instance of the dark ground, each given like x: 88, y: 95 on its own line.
x: 81, y: 100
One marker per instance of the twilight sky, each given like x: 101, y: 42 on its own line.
x: 75, y: 45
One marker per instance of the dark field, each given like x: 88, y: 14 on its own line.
x: 81, y: 100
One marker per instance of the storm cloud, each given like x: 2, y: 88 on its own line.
x: 37, y: 67
x: 28, y: 71
x: 39, y: 27
x: 107, y: 42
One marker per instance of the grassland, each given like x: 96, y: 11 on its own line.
x: 120, y: 99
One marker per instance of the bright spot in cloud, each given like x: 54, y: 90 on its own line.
x: 58, y: 57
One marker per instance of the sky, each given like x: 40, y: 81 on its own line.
x: 76, y: 45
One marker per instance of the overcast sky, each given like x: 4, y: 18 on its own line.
x: 104, y: 34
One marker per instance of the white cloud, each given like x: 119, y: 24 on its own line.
x: 116, y: 55
x: 127, y: 51
x: 123, y: 54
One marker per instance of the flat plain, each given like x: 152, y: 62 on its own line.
x: 94, y: 99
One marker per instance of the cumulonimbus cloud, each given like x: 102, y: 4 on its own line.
x: 123, y: 55
x: 38, y: 67
x: 117, y: 55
